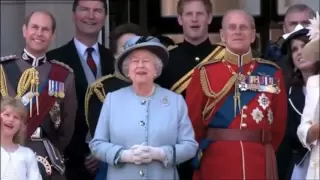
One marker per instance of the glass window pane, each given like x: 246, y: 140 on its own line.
x: 169, y: 7
x: 276, y: 31
x: 284, y: 4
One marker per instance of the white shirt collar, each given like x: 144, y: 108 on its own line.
x: 82, y: 49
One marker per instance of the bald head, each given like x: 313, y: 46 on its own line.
x: 236, y: 13
x: 238, y: 31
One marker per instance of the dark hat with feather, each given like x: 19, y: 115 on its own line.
x: 149, y: 43
x: 298, y: 32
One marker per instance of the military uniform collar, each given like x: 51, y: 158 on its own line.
x: 34, y: 61
x: 238, y: 59
x: 201, y: 45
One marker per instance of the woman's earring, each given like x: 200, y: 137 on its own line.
x: 155, y: 75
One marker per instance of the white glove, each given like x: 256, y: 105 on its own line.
x: 127, y: 156
x: 157, y: 153
x: 143, y: 152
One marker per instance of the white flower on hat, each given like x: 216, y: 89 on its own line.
x: 314, y: 28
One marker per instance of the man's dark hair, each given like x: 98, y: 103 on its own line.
x: 53, y: 20
x: 76, y: 3
x: 124, y: 29
x: 300, y: 8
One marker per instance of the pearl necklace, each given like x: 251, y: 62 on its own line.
x: 150, y: 94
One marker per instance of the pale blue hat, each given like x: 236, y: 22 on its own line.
x: 149, y: 43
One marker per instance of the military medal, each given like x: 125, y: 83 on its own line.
x: 261, y: 83
x: 56, y: 89
x: 51, y: 88
x: 263, y: 101
x: 270, y: 116
x: 257, y: 115
x: 61, y: 90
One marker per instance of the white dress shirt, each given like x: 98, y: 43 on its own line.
x: 19, y: 165
x: 82, y: 52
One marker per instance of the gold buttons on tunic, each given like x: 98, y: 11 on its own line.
x: 244, y: 125
x: 141, y: 173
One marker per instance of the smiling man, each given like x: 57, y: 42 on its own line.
x: 46, y: 87
x: 90, y: 61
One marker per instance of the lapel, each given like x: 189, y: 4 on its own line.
x: 75, y: 64
x: 296, y: 98
x: 106, y: 61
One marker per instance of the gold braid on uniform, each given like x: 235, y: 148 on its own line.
x: 169, y: 48
x: 29, y: 80
x: 95, y: 88
x: 210, y: 94
x: 3, y: 83
x: 263, y: 61
x: 62, y: 64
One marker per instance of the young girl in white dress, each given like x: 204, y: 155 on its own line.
x: 309, y: 128
x: 17, y: 162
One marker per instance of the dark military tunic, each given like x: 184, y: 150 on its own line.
x: 51, y: 128
x: 95, y: 96
x: 184, y: 57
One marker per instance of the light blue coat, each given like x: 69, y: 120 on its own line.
x: 160, y: 121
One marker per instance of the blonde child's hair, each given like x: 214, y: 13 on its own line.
x: 19, y: 108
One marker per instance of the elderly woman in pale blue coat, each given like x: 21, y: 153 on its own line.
x: 143, y: 130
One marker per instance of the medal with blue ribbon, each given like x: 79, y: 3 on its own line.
x: 56, y: 89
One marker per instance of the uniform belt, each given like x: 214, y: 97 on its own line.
x: 54, y: 154
x: 259, y: 136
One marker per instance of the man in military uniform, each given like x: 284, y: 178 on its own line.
x: 239, y: 118
x: 47, y: 89
x: 194, y: 16
x: 95, y: 96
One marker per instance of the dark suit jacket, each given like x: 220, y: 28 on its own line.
x: 291, y: 150
x: 78, y: 149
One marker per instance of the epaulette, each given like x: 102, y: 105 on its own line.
x: 95, y: 88
x: 100, y: 80
x: 7, y: 58
x: 263, y: 61
x: 212, y: 61
x: 172, y: 47
x: 220, y: 44
x: 62, y: 64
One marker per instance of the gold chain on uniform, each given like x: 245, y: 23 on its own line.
x: 28, y: 80
x: 240, y: 77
